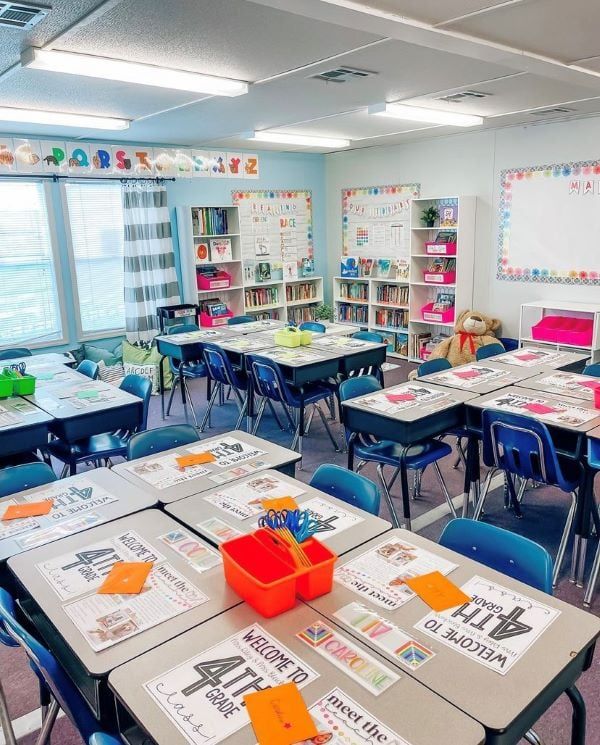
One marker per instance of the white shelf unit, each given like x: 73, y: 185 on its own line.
x: 235, y: 295
x: 532, y: 313
x: 422, y: 292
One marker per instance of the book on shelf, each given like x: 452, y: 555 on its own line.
x: 389, y: 338
x: 301, y: 314
x: 220, y: 250
x: 392, y: 319
x: 448, y: 214
x: 446, y: 236
x: 307, y: 267
x: 202, y: 252
x: 266, y: 315
x: 394, y: 294
x: 209, y: 221
x: 258, y: 296
x: 249, y: 272
x: 384, y: 268
x: 263, y: 271
x: 365, y: 267
x: 354, y: 291
x: 349, y: 266
x: 352, y: 313
x: 418, y: 343
x: 214, y: 307
x: 290, y: 270
x: 301, y: 291
x: 402, y: 269
x: 402, y: 344
x: 441, y: 264
x: 443, y: 301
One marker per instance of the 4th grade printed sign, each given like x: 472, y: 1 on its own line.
x: 203, y: 697
x: 228, y: 451
x: 494, y: 629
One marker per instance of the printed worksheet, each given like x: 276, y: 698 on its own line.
x: 468, y: 376
x: 218, y: 530
x: 495, y: 629
x: 11, y: 528
x: 405, y: 396
x: 547, y: 410
x: 296, y: 356
x: 379, y: 574
x: 196, y: 553
x: 530, y: 357
x: 247, y: 661
x: 330, y: 519
x: 228, y: 451
x: 163, y: 472
x: 8, y: 417
x: 245, y: 500
x: 583, y: 386
x: 343, y: 342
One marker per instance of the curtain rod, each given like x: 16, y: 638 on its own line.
x: 56, y: 177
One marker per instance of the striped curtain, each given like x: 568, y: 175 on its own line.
x: 150, y: 277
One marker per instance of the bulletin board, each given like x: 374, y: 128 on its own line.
x: 376, y: 220
x: 549, y: 224
x: 275, y: 225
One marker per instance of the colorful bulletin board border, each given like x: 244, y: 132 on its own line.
x: 64, y: 158
x: 282, y: 196
x: 399, y: 196
x: 576, y: 172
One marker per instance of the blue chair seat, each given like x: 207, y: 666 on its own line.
x: 192, y: 370
x: 311, y: 393
x: 418, y: 456
x: 107, y: 445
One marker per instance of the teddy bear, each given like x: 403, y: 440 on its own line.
x: 471, y: 331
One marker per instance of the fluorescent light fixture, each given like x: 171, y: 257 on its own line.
x: 284, y: 138
x: 420, y: 114
x: 130, y: 72
x: 57, y: 118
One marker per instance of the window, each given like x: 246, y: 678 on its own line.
x: 29, y: 303
x: 95, y: 218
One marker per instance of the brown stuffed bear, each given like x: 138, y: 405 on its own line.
x: 471, y: 331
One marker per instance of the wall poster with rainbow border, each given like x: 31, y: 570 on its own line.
x: 376, y: 220
x: 549, y: 224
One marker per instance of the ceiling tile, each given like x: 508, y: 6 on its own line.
x: 432, y: 11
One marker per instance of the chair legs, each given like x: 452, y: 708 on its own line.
x: 564, y: 540
x: 447, y: 496
x: 389, y: 500
x: 187, y: 398
x: 589, y: 592
x: 48, y: 723
x: 7, y: 728
x: 211, y: 403
x: 484, y: 492
x: 532, y: 737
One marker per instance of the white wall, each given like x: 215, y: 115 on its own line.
x: 469, y: 164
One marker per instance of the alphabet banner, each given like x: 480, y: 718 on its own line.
x: 20, y: 155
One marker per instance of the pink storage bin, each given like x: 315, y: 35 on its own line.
x: 436, y: 316
x: 221, y: 281
x: 439, y: 278
x: 564, y: 330
x: 212, y: 321
x: 433, y: 248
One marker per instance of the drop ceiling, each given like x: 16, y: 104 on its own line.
x: 525, y: 55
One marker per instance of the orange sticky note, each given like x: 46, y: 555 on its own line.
x: 437, y: 591
x: 126, y: 578
x: 279, y: 503
x: 279, y: 715
x: 194, y: 459
x: 31, y: 509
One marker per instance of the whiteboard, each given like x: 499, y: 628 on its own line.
x: 376, y: 220
x: 549, y: 224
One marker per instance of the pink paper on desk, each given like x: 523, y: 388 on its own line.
x: 539, y: 408
x: 593, y: 384
x: 526, y: 357
x: 397, y: 397
x: 467, y: 374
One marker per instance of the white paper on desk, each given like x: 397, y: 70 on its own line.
x: 11, y: 528
x: 68, y: 527
x: 196, y: 553
x: 228, y: 451
x: 245, y: 500
x: 582, y: 385
x: 565, y: 414
x: 163, y: 472
x: 218, y: 530
x: 81, y: 495
x: 348, y: 723
x: 105, y: 620
x: 249, y: 660
x: 495, y: 629
x: 421, y: 397
x: 240, y: 471
x: 531, y: 357
x: 468, y: 376
x: 378, y: 574
x: 344, y: 342
x: 330, y: 518
x: 7, y: 417
x: 293, y: 356
x: 77, y: 572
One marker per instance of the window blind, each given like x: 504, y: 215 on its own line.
x: 96, y: 225
x: 29, y: 303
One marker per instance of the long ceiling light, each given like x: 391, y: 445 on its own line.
x: 58, y: 118
x: 130, y: 72
x: 421, y: 114
x: 283, y: 138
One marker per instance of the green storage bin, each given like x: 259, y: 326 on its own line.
x: 22, y: 385
x: 290, y: 336
x: 6, y: 386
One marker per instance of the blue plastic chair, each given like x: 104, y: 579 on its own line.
x: 368, y: 449
x: 27, y: 476
x: 101, y: 738
x: 429, y: 367
x: 593, y: 369
x: 268, y: 382
x: 506, y: 552
x: 222, y: 373
x: 239, y: 319
x: 162, y: 438
x: 63, y: 694
x: 89, y: 368
x: 14, y: 353
x: 593, y: 459
x: 509, y: 343
x: 108, y: 445
x: 522, y: 447
x: 348, y: 486
x: 369, y: 336
x: 489, y: 350
x: 314, y: 326
x: 184, y: 371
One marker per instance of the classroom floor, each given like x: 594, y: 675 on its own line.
x: 544, y: 514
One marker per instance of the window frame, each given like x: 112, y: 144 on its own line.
x: 81, y: 335
x: 58, y: 270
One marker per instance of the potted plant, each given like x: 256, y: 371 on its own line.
x: 429, y: 216
x: 323, y: 312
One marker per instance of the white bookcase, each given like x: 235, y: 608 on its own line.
x: 244, y: 294
x: 532, y: 313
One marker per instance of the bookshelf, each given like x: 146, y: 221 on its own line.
x: 245, y: 295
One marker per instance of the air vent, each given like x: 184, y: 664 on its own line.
x: 342, y: 75
x: 462, y: 95
x: 21, y: 16
x: 551, y: 111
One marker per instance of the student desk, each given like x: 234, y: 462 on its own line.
x: 23, y: 426
x: 237, y: 347
x: 47, y: 375
x: 77, y: 416
x: 226, y: 510
x: 301, y: 365
x: 266, y: 455
x: 407, y: 708
x: 506, y: 705
x: 41, y: 360
x: 479, y: 377
x: 573, y: 385
x: 430, y: 412
x: 552, y: 358
x: 89, y: 668
x: 252, y: 327
x: 359, y: 354
x: 80, y: 502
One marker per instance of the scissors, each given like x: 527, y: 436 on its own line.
x: 19, y: 367
x: 298, y: 522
